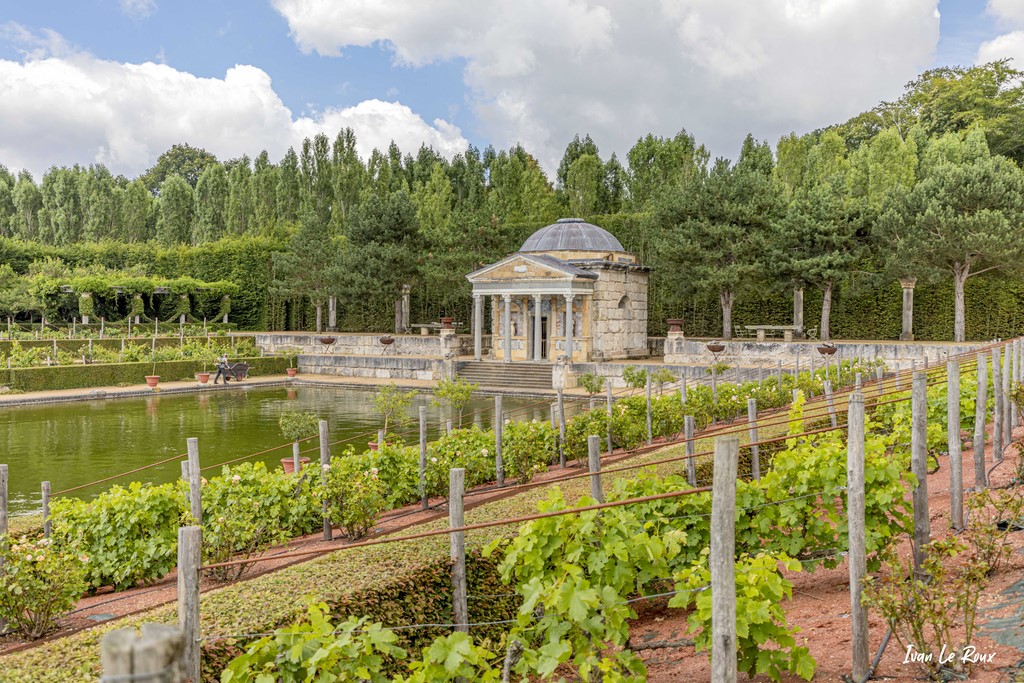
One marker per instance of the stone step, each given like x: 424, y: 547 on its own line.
x: 507, y: 375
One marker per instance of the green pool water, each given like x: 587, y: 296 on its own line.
x: 70, y: 444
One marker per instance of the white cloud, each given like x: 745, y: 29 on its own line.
x: 1010, y: 13
x: 76, y: 108
x: 138, y: 9
x: 540, y: 71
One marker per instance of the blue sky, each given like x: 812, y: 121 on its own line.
x: 448, y: 72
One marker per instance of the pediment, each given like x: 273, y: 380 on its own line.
x: 520, y: 267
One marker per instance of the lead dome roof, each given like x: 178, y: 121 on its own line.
x: 571, y: 234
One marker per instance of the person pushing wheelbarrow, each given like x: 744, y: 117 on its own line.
x: 222, y: 369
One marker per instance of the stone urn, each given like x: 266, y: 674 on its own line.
x: 292, y: 371
x: 203, y: 377
x: 153, y: 380
x: 447, y: 323
x: 674, y: 324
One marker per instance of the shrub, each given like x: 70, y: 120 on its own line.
x: 398, y: 467
x: 39, y: 584
x: 129, y: 534
x: 527, y: 448
x: 592, y: 383
x: 454, y: 394
x: 355, y: 494
x: 472, y: 449
x: 392, y: 404
x: 634, y: 377
x: 296, y: 425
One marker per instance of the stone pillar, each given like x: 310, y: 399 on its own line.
x: 908, y: 308
x: 478, y: 326
x: 332, y: 313
x: 568, y: 326
x: 537, y: 339
x: 406, y: 307
x: 798, y: 310
x: 506, y: 317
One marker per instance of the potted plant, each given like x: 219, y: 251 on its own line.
x: 392, y: 405
x: 153, y: 379
x: 291, y: 369
x: 296, y: 426
x: 203, y: 376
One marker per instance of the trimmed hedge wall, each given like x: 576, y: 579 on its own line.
x: 121, y: 374
x: 112, y: 343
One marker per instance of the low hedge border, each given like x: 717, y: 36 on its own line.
x: 122, y: 374
x: 399, y: 584
x: 112, y: 343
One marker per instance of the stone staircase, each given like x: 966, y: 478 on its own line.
x: 519, y: 376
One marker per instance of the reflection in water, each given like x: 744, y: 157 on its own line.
x: 74, y: 443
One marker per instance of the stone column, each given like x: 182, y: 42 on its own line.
x: 406, y: 307
x: 537, y: 339
x: 568, y: 326
x: 478, y: 326
x: 332, y: 314
x: 908, y: 308
x: 507, y: 319
x: 798, y: 310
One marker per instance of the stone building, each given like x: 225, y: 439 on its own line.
x: 571, y: 290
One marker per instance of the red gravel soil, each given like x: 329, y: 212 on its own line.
x: 821, y: 607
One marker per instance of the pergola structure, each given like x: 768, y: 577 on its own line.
x: 571, y: 290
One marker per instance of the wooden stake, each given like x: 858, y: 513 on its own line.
x: 778, y: 374
x: 980, y: 410
x: 594, y: 460
x: 1007, y: 406
x: 857, y: 534
x: 689, y: 427
x: 723, y: 561
x: 456, y: 519
x: 879, y: 376
x: 919, y: 466
x: 423, y: 456
x: 296, y: 462
x: 956, y: 464
x: 682, y: 391
x: 195, y: 481
x: 832, y: 417
x: 325, y: 462
x: 650, y: 432
x: 47, y: 522
x: 3, y: 499
x: 755, y: 452
x: 190, y: 543
x: 611, y: 405
x: 499, y: 428
x: 561, y: 429
x: 997, y: 412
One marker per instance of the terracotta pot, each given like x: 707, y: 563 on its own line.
x: 289, y: 464
x: 203, y: 377
x: 292, y: 371
x: 674, y: 324
x: 372, y: 445
x: 152, y: 381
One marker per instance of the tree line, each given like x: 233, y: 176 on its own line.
x: 928, y: 186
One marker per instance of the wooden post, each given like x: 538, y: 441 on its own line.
x: 499, y: 428
x: 554, y: 425
x: 682, y: 391
x: 956, y: 465
x: 325, y: 462
x: 156, y: 656
x: 611, y: 405
x: 997, y: 411
x: 456, y: 519
x: 778, y: 374
x: 714, y: 382
x: 980, y: 411
x: 185, y: 478
x: 423, y: 456
x: 919, y: 466
x: 296, y: 462
x: 689, y: 427
x: 879, y: 376
x: 190, y: 543
x: 3, y: 499
x: 723, y: 561
x: 832, y: 417
x: 447, y: 426
x: 857, y: 534
x: 47, y: 522
x: 195, y: 481
x: 1014, y: 381
x: 755, y: 451
x: 1007, y: 406
x: 858, y: 381
x: 650, y: 431
x: 594, y: 460
x: 561, y: 428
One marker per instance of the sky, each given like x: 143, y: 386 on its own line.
x: 118, y: 82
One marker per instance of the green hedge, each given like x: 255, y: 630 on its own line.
x: 121, y: 374
x: 112, y: 343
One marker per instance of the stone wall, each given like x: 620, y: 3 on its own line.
x: 620, y: 331
x: 377, y: 367
x: 897, y: 355
x: 429, y: 346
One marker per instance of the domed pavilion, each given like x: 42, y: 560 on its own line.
x: 571, y: 290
